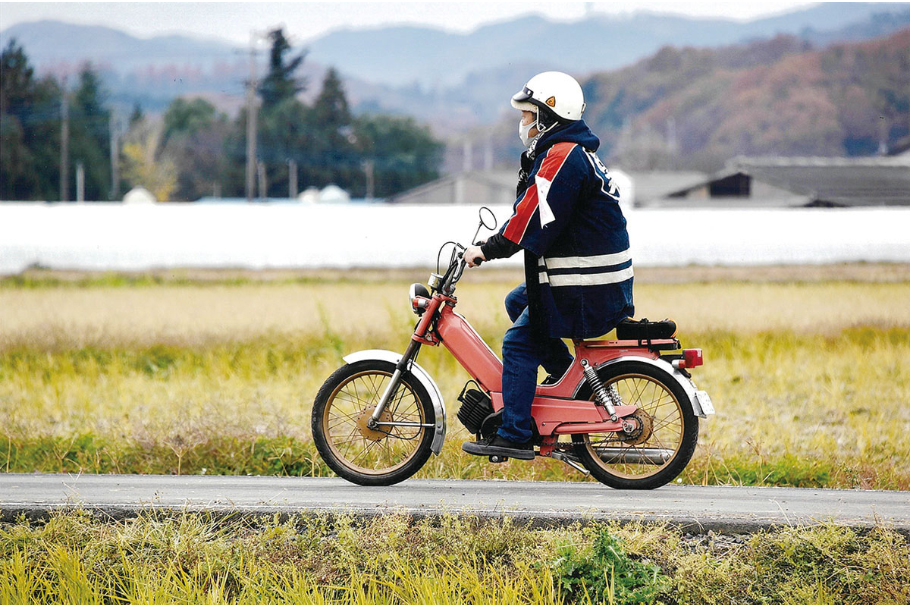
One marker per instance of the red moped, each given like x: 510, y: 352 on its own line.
x: 626, y: 410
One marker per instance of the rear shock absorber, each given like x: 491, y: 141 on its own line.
x: 601, y: 395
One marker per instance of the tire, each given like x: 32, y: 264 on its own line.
x: 362, y: 455
x: 674, y: 430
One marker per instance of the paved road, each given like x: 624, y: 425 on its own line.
x: 695, y: 508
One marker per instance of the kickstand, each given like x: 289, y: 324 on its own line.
x: 571, y: 460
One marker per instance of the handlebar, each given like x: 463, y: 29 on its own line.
x: 457, y: 262
x: 456, y: 269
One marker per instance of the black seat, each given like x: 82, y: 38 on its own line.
x: 644, y: 329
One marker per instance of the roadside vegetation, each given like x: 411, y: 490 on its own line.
x: 810, y: 380
x: 194, y: 558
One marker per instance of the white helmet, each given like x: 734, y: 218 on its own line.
x: 559, y: 96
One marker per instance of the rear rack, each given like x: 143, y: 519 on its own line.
x: 650, y: 344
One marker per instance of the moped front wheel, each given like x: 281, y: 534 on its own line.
x: 372, y: 455
x: 662, y: 446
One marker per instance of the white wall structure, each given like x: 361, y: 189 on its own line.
x: 124, y: 237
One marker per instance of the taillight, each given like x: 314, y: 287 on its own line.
x: 690, y: 358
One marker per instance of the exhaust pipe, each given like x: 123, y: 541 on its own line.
x: 631, y: 455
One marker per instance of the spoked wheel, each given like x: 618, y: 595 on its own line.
x: 381, y: 455
x: 664, y: 441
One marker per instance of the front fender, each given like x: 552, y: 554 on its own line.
x: 701, y: 403
x: 439, y: 407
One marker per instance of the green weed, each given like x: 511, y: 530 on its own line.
x: 605, y: 574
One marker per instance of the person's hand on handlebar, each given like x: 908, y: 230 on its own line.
x: 474, y: 255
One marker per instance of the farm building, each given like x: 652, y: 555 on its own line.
x: 498, y: 187
x: 799, y: 182
x: 756, y: 182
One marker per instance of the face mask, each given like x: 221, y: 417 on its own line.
x: 524, y: 132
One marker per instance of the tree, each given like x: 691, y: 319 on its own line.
x: 90, y: 134
x: 281, y: 83
x: 29, y: 130
x: 331, y: 106
x: 327, y: 144
x: 281, y: 119
x: 284, y: 136
x: 404, y: 153
x: 144, y: 165
x: 331, y: 153
x: 192, y: 139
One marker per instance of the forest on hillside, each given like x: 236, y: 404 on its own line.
x: 696, y: 108
x: 53, y: 137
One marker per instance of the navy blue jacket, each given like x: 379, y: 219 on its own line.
x: 578, y: 266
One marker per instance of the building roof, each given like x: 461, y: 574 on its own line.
x: 499, y: 186
x: 872, y: 181
x: 839, y: 181
x: 654, y: 185
x: 484, y: 187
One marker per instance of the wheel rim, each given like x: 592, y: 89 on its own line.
x: 655, y: 400
x: 368, y: 451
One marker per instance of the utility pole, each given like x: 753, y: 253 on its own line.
x: 80, y: 182
x: 115, y: 158
x: 64, y: 146
x: 368, y: 166
x: 263, y: 185
x: 292, y: 179
x: 251, y: 112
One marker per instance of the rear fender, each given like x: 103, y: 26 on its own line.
x: 418, y: 372
x: 697, y: 398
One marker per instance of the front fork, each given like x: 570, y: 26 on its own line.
x: 402, y: 366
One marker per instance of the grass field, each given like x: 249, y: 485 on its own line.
x: 190, y: 558
x: 809, y: 370
x: 215, y: 373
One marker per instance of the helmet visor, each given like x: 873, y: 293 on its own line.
x: 522, y: 100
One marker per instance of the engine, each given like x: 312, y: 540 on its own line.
x: 475, y: 408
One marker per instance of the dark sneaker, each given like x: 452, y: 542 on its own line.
x: 497, y: 445
x: 550, y: 380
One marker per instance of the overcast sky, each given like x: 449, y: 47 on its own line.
x: 234, y: 21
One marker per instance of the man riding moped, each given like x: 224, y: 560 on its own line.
x: 626, y: 411
x: 578, y: 267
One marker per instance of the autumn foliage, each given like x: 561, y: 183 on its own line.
x: 773, y: 97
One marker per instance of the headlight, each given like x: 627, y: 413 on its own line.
x: 419, y: 298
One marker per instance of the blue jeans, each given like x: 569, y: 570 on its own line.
x: 522, y: 354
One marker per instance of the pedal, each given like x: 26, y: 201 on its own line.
x: 498, y: 459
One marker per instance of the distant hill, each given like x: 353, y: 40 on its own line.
x: 50, y: 43
x: 698, y: 107
x: 433, y: 58
x: 424, y: 72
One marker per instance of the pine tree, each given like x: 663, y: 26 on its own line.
x: 281, y: 83
x: 29, y: 130
x: 331, y: 107
x: 90, y: 134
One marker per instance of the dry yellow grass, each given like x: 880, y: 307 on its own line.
x: 205, y: 314
x: 791, y: 367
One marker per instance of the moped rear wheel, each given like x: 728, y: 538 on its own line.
x: 384, y: 455
x: 669, y: 430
